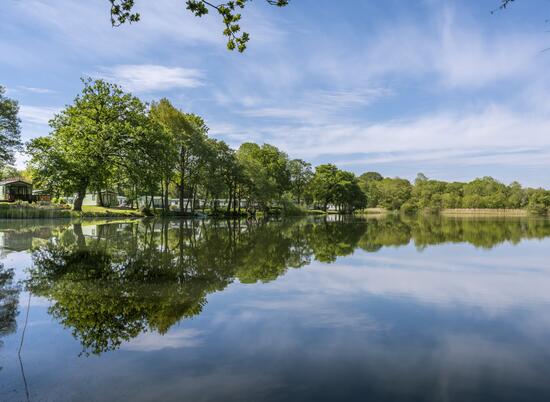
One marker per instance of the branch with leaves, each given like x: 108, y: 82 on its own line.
x: 122, y: 11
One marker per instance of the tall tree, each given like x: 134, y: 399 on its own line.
x: 189, y: 134
x: 300, y: 176
x: 89, y: 139
x: 267, y: 170
x: 10, y: 128
x: 323, y: 185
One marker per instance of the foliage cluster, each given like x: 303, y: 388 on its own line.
x: 426, y: 194
x: 110, y: 139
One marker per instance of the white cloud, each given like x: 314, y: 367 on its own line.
x: 452, y: 52
x: 440, y: 279
x: 174, y: 339
x: 37, y: 114
x: 36, y: 90
x: 152, y: 77
x: 318, y: 105
x: 488, y: 135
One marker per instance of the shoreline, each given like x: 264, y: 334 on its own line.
x: 485, y: 212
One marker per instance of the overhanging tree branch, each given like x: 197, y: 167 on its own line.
x: 122, y: 11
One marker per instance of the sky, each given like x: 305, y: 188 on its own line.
x: 446, y: 88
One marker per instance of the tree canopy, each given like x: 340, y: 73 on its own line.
x: 10, y: 128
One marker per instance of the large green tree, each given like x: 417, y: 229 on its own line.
x: 90, y: 139
x: 266, y: 169
x: 10, y: 128
x: 188, y: 134
x: 300, y: 176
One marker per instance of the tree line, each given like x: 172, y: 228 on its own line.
x: 429, y: 194
x: 109, y: 139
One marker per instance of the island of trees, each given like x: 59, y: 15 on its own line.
x: 109, y: 139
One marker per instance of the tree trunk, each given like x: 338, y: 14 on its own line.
x: 166, y: 201
x: 230, y: 199
x: 80, y: 194
x: 193, y: 199
x: 182, y: 177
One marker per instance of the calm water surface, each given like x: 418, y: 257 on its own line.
x: 299, y: 310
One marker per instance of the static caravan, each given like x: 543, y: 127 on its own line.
x: 14, y: 189
x: 105, y: 198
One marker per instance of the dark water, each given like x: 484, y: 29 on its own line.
x: 330, y: 309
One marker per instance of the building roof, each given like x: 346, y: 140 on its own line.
x: 11, y: 180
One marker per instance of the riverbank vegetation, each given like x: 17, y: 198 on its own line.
x: 435, y: 195
x: 162, y: 160
x: 109, y: 139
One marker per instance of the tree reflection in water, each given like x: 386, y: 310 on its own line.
x: 108, y: 283
x: 9, y: 302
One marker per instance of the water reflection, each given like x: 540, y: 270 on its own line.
x: 9, y: 301
x: 109, y: 283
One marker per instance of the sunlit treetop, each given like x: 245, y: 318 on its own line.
x: 122, y: 11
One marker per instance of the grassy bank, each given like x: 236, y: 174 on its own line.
x: 89, y: 211
x: 35, y: 211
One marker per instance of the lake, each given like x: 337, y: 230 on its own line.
x: 317, y: 309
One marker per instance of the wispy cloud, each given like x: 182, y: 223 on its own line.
x: 36, y: 90
x: 317, y: 105
x: 174, y: 339
x: 152, y: 77
x: 37, y: 114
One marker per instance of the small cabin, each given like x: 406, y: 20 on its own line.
x: 14, y: 189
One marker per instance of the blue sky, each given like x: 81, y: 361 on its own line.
x: 440, y: 87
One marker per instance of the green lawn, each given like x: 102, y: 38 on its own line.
x: 93, y: 211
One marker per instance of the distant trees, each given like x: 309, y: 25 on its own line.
x: 331, y: 185
x: 10, y: 128
x: 267, y: 172
x: 300, y: 176
x: 110, y: 140
x: 392, y: 193
x: 367, y: 183
x: 428, y: 194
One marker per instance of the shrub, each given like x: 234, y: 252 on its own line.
x: 409, y: 207
x: 537, y: 208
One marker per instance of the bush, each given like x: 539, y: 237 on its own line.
x: 409, y: 207
x: 537, y: 208
x: 61, y: 201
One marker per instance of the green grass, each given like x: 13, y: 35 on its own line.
x: 95, y: 211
